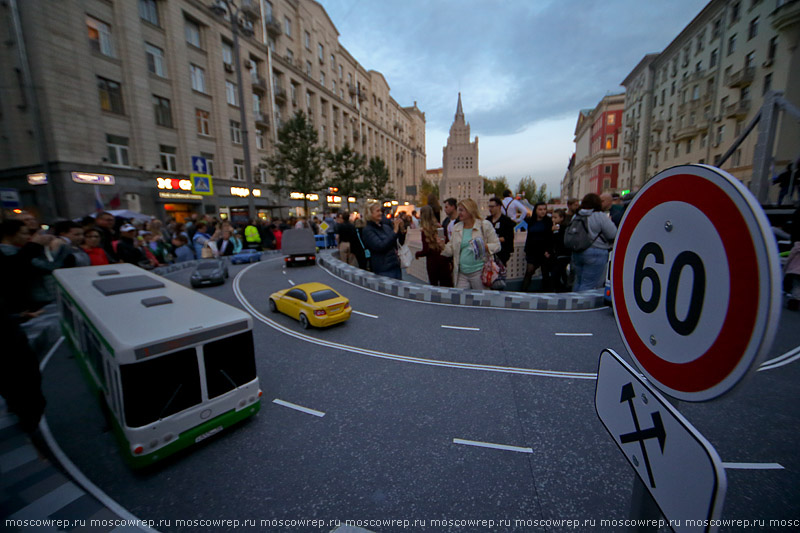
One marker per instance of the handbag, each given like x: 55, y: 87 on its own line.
x: 405, y: 255
x: 493, y: 274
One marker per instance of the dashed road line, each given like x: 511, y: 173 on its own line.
x: 299, y: 408
x: 364, y: 314
x: 465, y: 328
x: 492, y: 445
x: 753, y: 466
x: 574, y: 334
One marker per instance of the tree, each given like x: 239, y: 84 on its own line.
x: 376, y: 180
x: 527, y: 187
x: 495, y: 186
x: 297, y: 163
x: 426, y: 188
x: 347, y: 168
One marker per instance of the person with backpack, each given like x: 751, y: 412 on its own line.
x: 590, y: 236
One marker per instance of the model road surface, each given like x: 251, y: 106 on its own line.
x: 434, y: 413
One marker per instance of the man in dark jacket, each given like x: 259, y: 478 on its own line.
x: 504, y: 227
x: 127, y: 250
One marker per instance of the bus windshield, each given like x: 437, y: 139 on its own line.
x: 156, y: 388
x: 229, y: 363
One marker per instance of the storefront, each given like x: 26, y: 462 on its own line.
x: 176, y: 199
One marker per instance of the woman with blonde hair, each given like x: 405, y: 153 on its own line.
x: 471, y: 245
x: 437, y: 266
x: 380, y: 238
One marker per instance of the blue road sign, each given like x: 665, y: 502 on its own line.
x: 202, y: 184
x: 10, y: 198
x: 199, y: 165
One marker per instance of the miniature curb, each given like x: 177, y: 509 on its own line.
x: 568, y: 301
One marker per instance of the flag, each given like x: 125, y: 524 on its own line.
x: 114, y: 203
x: 98, y: 199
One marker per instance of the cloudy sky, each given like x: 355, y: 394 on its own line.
x: 524, y: 67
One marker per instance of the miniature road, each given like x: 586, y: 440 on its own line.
x: 414, y: 411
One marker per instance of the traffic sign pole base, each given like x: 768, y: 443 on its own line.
x: 643, y: 509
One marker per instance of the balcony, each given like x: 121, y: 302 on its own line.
x: 741, y: 78
x: 280, y: 95
x: 628, y: 137
x: 273, y: 27
x: 685, y: 132
x: 259, y: 84
x: 627, y: 152
x: 261, y: 120
x: 693, y: 77
x: 656, y: 146
x: 738, y: 110
x: 658, y: 125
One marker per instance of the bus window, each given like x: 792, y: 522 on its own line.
x: 95, y: 356
x: 156, y: 388
x: 229, y: 363
x: 112, y: 390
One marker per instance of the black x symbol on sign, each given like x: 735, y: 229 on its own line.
x: 641, y: 435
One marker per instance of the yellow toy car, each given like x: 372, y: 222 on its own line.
x: 313, y: 304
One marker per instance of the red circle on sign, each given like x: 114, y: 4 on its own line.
x: 726, y: 352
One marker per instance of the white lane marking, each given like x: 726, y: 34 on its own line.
x: 789, y: 357
x: 574, y: 334
x: 291, y: 283
x: 50, y: 353
x: 753, y: 466
x: 364, y: 314
x: 461, y: 327
x: 331, y: 274
x: 299, y: 408
x: 493, y: 446
x: 395, y: 357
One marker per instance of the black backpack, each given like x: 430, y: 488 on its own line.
x: 576, y: 237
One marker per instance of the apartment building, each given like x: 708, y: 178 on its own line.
x: 124, y: 98
x: 689, y: 103
x: 595, y: 166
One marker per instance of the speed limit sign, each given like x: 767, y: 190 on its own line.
x: 695, y: 282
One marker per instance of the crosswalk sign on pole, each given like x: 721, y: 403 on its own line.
x: 202, y: 184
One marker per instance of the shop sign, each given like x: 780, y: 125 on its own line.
x: 179, y: 196
x: 37, y: 179
x: 93, y: 179
x: 174, y: 184
x: 299, y: 196
x: 244, y: 192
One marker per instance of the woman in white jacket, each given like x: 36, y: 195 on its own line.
x: 471, y: 245
x: 591, y: 264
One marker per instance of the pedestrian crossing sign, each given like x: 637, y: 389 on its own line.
x: 202, y: 184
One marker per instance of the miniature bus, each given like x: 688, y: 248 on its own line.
x: 172, y: 366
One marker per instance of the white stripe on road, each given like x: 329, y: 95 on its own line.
x: 753, y: 466
x: 299, y: 408
x: 789, y: 357
x: 574, y: 334
x: 395, y: 357
x: 364, y: 314
x: 291, y: 283
x: 462, y: 328
x: 493, y: 446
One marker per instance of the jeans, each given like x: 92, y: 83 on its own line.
x: 590, y: 269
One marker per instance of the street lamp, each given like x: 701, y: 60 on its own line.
x: 220, y: 8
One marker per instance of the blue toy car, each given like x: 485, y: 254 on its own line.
x: 246, y: 256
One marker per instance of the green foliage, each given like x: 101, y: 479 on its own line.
x: 495, y: 186
x: 527, y: 186
x: 297, y: 164
x: 347, y: 170
x: 426, y: 187
x: 376, y: 180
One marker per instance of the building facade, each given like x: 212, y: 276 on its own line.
x: 127, y: 93
x: 689, y: 103
x: 595, y: 166
x: 460, y: 177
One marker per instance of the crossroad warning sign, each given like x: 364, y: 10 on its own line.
x: 202, y: 184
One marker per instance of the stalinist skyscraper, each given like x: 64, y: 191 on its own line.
x: 460, y: 163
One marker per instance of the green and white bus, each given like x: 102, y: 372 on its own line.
x: 173, y: 366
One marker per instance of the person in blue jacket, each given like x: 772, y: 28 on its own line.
x: 380, y: 238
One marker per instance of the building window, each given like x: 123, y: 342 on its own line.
x: 192, y: 30
x: 744, y: 94
x: 287, y: 26
x: 735, y: 12
x: 333, y: 86
x: 168, y: 160
x: 155, y: 59
x: 198, y: 78
x: 753, y: 30
x: 716, y: 29
x: 238, y: 169
x: 714, y: 58
x: 767, y: 84
x: 117, y: 150
x: 236, y: 132
x: 308, y: 68
x: 750, y: 60
x: 259, y: 138
x: 209, y: 163
x: 701, y: 37
x: 110, y: 96
x: 720, y: 134
x: 256, y: 104
x: 230, y: 93
x: 689, y: 146
x: 611, y: 120
x: 333, y: 62
x: 290, y: 56
x: 607, y: 169
x: 293, y: 93
x: 262, y: 172
x: 321, y: 52
x: 203, y: 122
x: 732, y: 44
x: 773, y: 48
x: 308, y: 101
x: 609, y: 142
x: 341, y: 72
x: 148, y: 10
x: 227, y: 53
x: 100, y: 37
x: 322, y: 79
x: 307, y: 40
x: 163, y: 111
